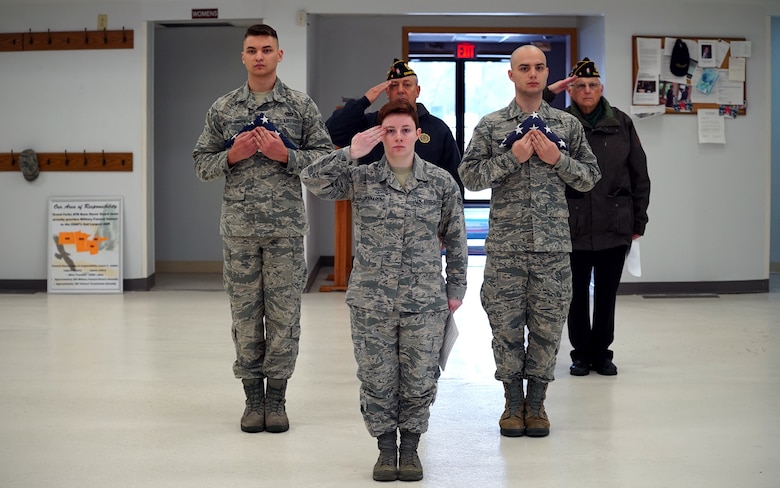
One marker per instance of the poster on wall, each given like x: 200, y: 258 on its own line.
x: 85, y: 245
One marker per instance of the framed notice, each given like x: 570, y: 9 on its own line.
x: 85, y: 245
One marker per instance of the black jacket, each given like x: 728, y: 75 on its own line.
x: 435, y: 145
x: 616, y: 208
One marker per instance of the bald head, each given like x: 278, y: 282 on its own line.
x: 524, y: 51
x: 528, y: 71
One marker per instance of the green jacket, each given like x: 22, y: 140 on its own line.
x: 616, y: 208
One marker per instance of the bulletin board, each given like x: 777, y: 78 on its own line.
x: 682, y: 95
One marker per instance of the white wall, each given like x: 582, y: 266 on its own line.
x: 774, y: 257
x: 709, y: 212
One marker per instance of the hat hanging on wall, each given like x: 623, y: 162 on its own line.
x: 28, y: 163
x: 681, y: 58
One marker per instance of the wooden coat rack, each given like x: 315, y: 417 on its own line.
x: 59, y: 41
x: 72, y: 161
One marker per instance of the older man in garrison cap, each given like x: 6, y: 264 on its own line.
x: 603, y: 221
x: 435, y: 144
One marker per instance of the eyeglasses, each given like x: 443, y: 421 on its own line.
x: 581, y: 86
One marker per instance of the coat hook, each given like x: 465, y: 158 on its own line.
x: 104, y: 156
x: 66, y: 158
x: 31, y: 36
x: 85, y: 157
x: 123, y: 162
x: 105, y: 36
x: 13, y: 162
x: 86, y: 37
x: 49, y: 32
x: 124, y: 38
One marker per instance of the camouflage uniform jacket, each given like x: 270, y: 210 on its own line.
x: 528, y: 209
x: 397, y: 264
x: 262, y: 197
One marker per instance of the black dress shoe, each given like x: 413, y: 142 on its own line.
x: 579, y: 368
x: 605, y: 367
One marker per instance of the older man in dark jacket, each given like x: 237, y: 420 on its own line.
x: 603, y: 221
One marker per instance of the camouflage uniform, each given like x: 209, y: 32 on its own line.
x: 397, y: 295
x: 263, y: 223
x: 527, y: 274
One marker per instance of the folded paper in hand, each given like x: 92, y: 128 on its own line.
x: 450, y: 334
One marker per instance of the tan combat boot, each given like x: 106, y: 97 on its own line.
x: 536, y: 422
x: 409, y: 465
x: 511, y: 422
x: 386, y: 467
x: 275, y: 414
x: 253, y: 419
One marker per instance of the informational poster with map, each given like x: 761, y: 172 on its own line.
x: 85, y: 245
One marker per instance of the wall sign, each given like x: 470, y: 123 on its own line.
x: 205, y: 13
x: 85, y: 245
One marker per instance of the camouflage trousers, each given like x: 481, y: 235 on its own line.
x: 526, y: 289
x: 397, y: 357
x: 264, y: 279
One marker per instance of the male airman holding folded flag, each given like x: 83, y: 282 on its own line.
x: 527, y: 153
x: 259, y: 137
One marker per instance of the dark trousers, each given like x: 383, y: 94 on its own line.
x: 591, y: 343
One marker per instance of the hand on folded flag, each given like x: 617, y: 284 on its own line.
x: 533, y: 122
x: 261, y: 121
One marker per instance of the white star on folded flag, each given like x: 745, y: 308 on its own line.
x: 533, y: 122
x: 261, y: 121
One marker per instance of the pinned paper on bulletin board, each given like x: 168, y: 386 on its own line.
x: 680, y: 75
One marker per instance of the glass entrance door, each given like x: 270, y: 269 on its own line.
x: 484, y: 89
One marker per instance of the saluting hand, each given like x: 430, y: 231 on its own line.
x: 373, y: 93
x: 561, y: 85
x: 363, y: 142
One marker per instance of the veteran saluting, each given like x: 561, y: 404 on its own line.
x: 435, y: 143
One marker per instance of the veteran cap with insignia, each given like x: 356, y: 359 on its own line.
x: 399, y: 69
x: 681, y: 58
x: 585, y: 69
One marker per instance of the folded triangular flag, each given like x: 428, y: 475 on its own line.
x: 261, y: 121
x: 533, y: 122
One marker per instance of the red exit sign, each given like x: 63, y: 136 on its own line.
x: 465, y: 50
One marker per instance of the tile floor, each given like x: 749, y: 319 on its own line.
x: 136, y: 390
